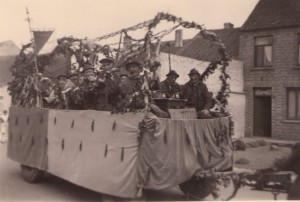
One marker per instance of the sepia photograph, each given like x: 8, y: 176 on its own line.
x: 161, y: 100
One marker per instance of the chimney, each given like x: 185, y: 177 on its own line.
x: 228, y: 25
x: 178, y: 38
x: 126, y: 42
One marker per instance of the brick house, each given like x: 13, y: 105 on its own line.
x: 197, y: 53
x: 270, y: 50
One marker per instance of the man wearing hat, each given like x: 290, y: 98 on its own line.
x: 131, y: 84
x: 109, y: 77
x: 88, y: 71
x: 196, y: 93
x: 89, y: 87
x: 169, y: 87
x: 107, y: 63
x: 134, y: 81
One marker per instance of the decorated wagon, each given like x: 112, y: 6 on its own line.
x: 118, y: 154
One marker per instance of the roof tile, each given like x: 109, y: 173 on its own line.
x: 273, y: 14
x: 202, y: 49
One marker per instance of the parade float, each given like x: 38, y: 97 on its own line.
x: 121, y: 153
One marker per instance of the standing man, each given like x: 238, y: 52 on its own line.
x: 169, y: 87
x: 132, y: 85
x: 196, y: 93
x: 107, y: 64
x: 75, y: 95
x: 109, y: 81
x: 89, y: 88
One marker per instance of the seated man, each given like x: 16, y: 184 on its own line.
x: 196, y: 93
x: 169, y: 88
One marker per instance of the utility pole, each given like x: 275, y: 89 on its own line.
x: 38, y: 101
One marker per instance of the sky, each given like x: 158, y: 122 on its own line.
x: 94, y: 18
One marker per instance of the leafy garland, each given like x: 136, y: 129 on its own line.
x: 257, y: 179
x: 223, y: 93
x: 24, y: 64
x: 22, y: 88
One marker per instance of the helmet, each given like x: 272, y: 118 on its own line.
x: 194, y: 71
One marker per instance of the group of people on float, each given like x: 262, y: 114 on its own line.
x: 108, y: 89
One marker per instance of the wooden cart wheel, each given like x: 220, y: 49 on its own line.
x: 197, y: 189
x: 32, y: 175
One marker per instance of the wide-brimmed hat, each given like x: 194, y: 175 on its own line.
x: 62, y: 75
x: 107, y: 60
x: 133, y: 62
x: 87, y: 67
x: 115, y: 69
x: 173, y: 72
x: 194, y: 71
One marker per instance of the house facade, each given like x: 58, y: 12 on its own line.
x: 270, y: 50
x: 197, y: 53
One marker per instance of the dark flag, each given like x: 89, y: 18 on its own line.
x: 40, y: 38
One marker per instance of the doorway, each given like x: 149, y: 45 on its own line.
x: 262, y: 116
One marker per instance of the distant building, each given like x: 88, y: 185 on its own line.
x: 270, y: 49
x: 197, y: 53
x: 8, y: 53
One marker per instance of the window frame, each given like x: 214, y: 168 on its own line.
x: 297, y: 90
x: 255, y: 55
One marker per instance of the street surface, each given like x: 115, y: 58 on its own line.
x: 14, y: 188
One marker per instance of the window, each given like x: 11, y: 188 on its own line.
x: 293, y: 103
x: 263, y: 51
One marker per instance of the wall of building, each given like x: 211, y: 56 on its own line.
x: 5, y: 99
x: 182, y: 65
x: 284, y: 73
